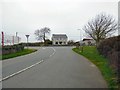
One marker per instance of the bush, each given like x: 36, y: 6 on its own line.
x: 110, y: 49
x: 33, y: 44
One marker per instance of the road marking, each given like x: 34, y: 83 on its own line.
x: 43, y: 48
x: 53, y: 52
x: 50, y: 55
x: 7, y: 77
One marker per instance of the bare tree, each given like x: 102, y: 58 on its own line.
x: 101, y: 27
x: 41, y: 33
x: 119, y: 26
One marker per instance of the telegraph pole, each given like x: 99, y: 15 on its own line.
x: 16, y: 34
x: 81, y: 46
x: 80, y: 34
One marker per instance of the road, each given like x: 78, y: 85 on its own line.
x: 51, y: 67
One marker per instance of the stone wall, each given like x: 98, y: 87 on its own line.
x: 12, y: 48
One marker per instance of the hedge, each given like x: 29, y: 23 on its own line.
x: 110, y: 48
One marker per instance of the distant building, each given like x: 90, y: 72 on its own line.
x: 59, y: 39
x: 87, y: 41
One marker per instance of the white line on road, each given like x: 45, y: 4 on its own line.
x: 7, y: 77
x: 53, y: 52
x: 21, y: 71
x: 43, y: 48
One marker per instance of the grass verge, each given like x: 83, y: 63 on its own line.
x: 91, y: 53
x: 20, y: 53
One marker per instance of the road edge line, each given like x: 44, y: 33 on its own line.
x: 7, y: 77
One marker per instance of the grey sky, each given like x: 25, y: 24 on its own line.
x: 61, y: 16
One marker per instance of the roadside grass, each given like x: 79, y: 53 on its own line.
x: 0, y: 57
x: 91, y: 53
x: 20, y: 53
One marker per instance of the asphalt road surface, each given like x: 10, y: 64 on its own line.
x: 51, y: 67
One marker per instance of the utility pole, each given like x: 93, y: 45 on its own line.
x: 81, y: 46
x: 16, y: 34
x: 80, y: 34
x: 17, y: 37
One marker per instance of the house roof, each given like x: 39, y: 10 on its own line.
x: 59, y: 36
x: 85, y: 39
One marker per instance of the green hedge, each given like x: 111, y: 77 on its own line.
x: 33, y: 44
x: 110, y: 48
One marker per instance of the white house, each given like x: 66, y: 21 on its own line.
x: 87, y: 41
x: 59, y: 39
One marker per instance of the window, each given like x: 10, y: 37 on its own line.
x: 60, y: 42
x: 56, y: 42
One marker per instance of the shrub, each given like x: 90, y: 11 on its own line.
x: 110, y: 49
x: 33, y: 44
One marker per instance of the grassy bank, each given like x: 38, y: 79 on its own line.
x: 20, y: 53
x: 91, y: 53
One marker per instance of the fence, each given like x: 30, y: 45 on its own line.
x: 7, y: 39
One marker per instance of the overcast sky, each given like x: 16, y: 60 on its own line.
x: 61, y: 16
